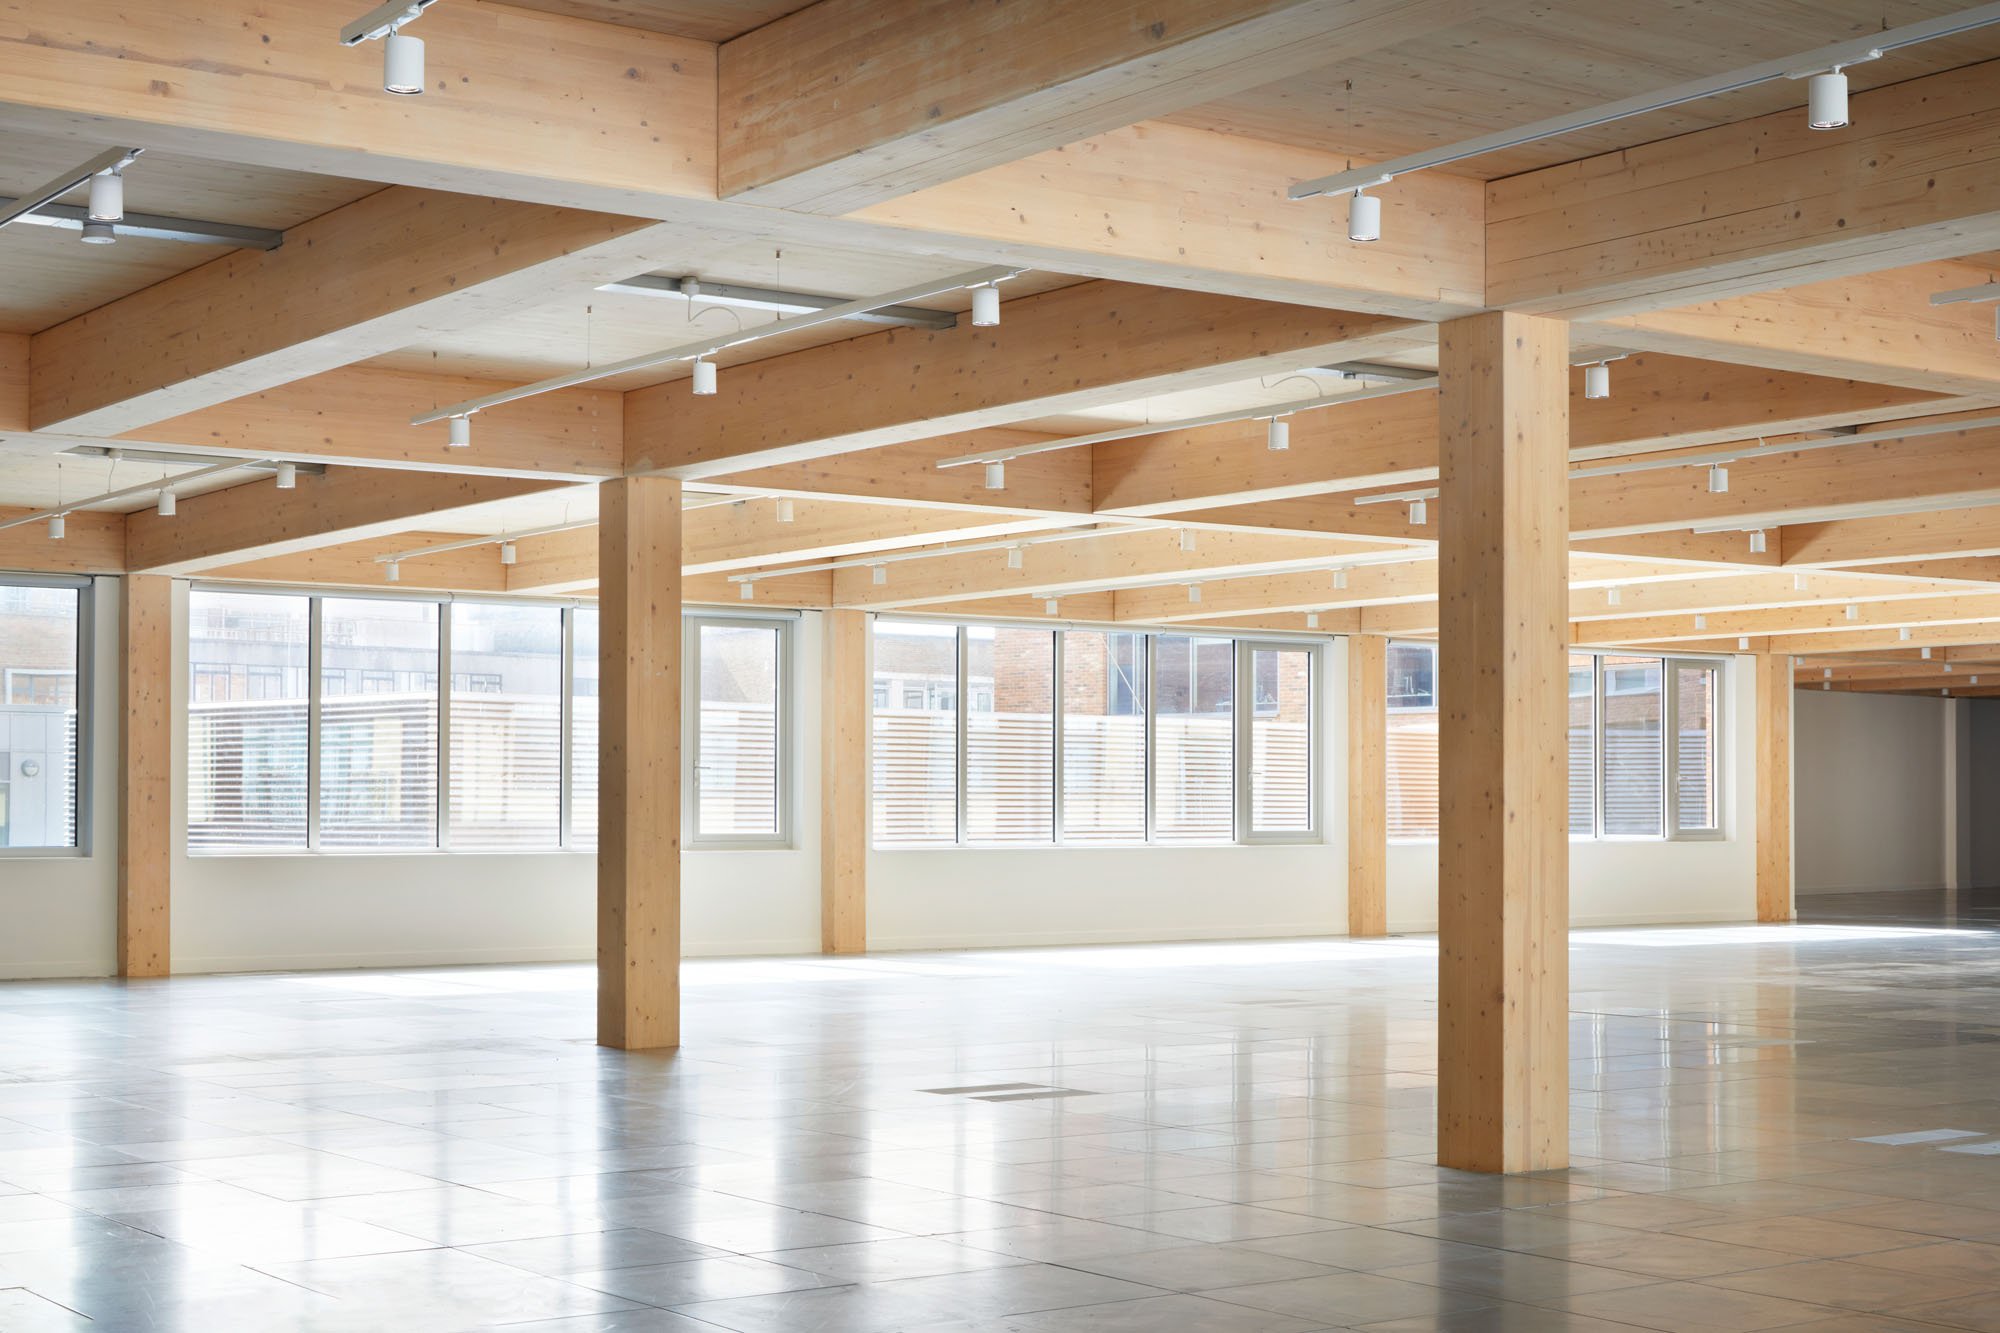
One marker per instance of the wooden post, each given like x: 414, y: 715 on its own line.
x: 145, y: 746
x: 1367, y: 785
x: 843, y: 762
x: 1503, y: 846
x: 1774, y: 787
x: 639, y: 763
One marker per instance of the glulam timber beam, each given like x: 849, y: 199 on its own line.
x: 1065, y: 350
x: 1756, y: 205
x: 1847, y: 617
x: 846, y: 103
x: 354, y: 565
x: 256, y: 521
x: 1894, y: 539
x: 1052, y: 484
x: 93, y: 543
x: 1264, y: 594
x: 748, y: 533
x: 633, y: 128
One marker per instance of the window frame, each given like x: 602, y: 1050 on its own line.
x: 82, y: 846
x: 1714, y: 667
x: 1242, y: 717
x: 785, y: 702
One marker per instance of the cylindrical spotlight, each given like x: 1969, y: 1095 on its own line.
x: 704, y: 377
x: 1613, y: 596
x: 509, y: 553
x: 1757, y: 543
x: 996, y: 476
x: 1742, y: 643
x: 1194, y: 592
x: 99, y: 233
x: 1187, y: 541
x: 288, y: 476
x: 1597, y: 381
x: 1364, y: 217
x: 1826, y: 101
x: 107, y: 197
x: 1852, y: 612
x: 1278, y: 435
x: 1701, y: 622
x: 458, y: 432
x: 167, y: 504
x: 1340, y: 580
x: 1718, y: 479
x: 402, y: 64
x: 985, y: 307
x: 1312, y: 620
x: 392, y: 572
x: 746, y: 590
x: 879, y: 575
x: 786, y: 511
x: 57, y: 527
x: 1014, y: 558
x: 1419, y: 513
x: 1050, y: 606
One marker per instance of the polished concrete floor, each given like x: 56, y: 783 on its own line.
x: 1779, y: 1127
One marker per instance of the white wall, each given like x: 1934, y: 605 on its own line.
x: 59, y: 914
x: 1871, y: 775
x: 1617, y: 883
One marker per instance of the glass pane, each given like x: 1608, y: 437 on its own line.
x: 1694, y: 751
x: 38, y: 716
x: 1193, y: 728
x: 1582, y: 744
x: 1104, y: 736
x: 249, y: 655
x: 583, y: 729
x: 736, y: 776
x: 915, y: 736
x: 1010, y: 735
x: 1634, y: 759
x: 1281, y: 741
x: 1413, y: 740
x: 506, y: 727
x: 378, y: 723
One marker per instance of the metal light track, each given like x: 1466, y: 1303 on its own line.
x: 142, y: 488
x: 770, y: 298
x: 155, y: 227
x: 111, y: 159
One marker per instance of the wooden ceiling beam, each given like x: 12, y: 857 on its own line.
x: 94, y: 543
x: 846, y: 103
x: 353, y: 565
x: 1060, y: 351
x: 1753, y: 206
x: 1894, y: 539
x: 730, y: 537
x: 1053, y: 484
x: 1917, y: 614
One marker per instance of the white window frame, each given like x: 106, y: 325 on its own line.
x: 784, y: 838
x: 1246, y: 716
x: 86, y: 678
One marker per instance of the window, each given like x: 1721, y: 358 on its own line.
x: 1103, y: 736
x: 583, y: 728
x: 248, y: 722
x: 505, y: 727
x: 42, y: 642
x: 1145, y: 740
x: 1643, y: 754
x: 740, y: 687
x: 378, y: 763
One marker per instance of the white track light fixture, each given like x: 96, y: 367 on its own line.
x: 458, y: 432
x: 1718, y: 479
x: 1798, y: 583
x: 288, y: 476
x: 167, y: 504
x: 878, y: 574
x: 1827, y: 672
x: 509, y: 553
x: 1014, y: 557
x: 1597, y: 380
x: 1194, y: 592
x: 402, y: 55
x: 996, y: 476
x: 746, y: 590
x: 1340, y: 580
x: 787, y: 512
x: 1947, y: 665
x: 1278, y: 435
x: 392, y: 572
x: 1050, y: 606
x: 1852, y: 612
x: 99, y: 233
x: 1187, y: 541
x: 107, y: 197
x: 1364, y: 217
x: 1924, y: 653
x: 1742, y: 644
x: 1312, y: 620
x: 704, y: 377
x: 1757, y: 543
x: 986, y: 307
x: 57, y: 527
x: 1903, y: 633
x: 1700, y: 621
x: 1826, y: 100
x: 1419, y: 513
x: 1613, y: 596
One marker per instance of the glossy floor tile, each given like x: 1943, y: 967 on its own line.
x: 1769, y: 1129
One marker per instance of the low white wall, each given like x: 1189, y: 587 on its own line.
x: 59, y: 914
x: 1871, y: 774
x: 1613, y: 883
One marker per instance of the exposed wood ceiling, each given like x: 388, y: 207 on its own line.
x: 706, y: 20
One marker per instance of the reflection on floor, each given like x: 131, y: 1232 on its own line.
x: 1979, y: 908
x: 1791, y: 1127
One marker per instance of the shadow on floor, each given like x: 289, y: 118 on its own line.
x: 1966, y: 909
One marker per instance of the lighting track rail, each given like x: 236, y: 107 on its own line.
x: 497, y: 539
x: 155, y: 227
x: 111, y: 160
x: 699, y: 351
x: 140, y: 488
x: 940, y: 552
x: 1804, y: 65
x: 770, y: 298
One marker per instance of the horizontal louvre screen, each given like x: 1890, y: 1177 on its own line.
x: 737, y: 728
x: 1413, y: 775
x: 506, y: 727
x: 1010, y: 735
x: 248, y: 657
x: 914, y: 742
x: 1103, y: 737
x: 1281, y: 741
x: 378, y: 759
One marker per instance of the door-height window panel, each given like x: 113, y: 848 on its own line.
x: 1103, y: 736
x: 249, y: 668
x: 379, y: 724
x: 739, y: 676
x: 1412, y: 740
x: 1010, y: 737
x: 1634, y: 729
x: 1194, y: 747
x: 41, y: 631
x: 1281, y: 749
x: 915, y: 736
x: 584, y: 671
x: 1695, y: 805
x: 1582, y: 744
x: 506, y: 727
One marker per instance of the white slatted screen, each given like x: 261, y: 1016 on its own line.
x: 1104, y: 737
x: 378, y: 724
x: 1281, y: 795
x: 248, y: 657
x: 736, y: 771
x: 506, y: 727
